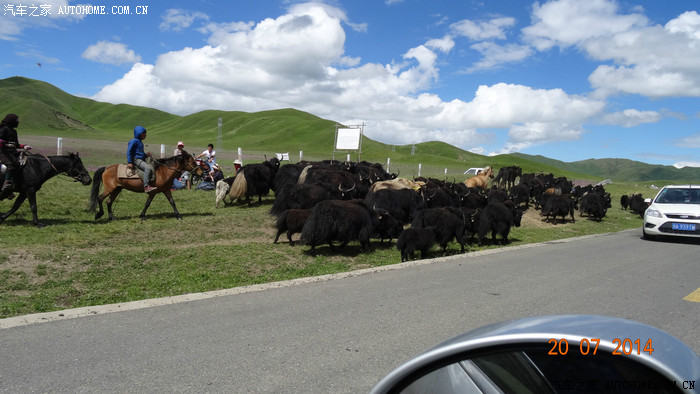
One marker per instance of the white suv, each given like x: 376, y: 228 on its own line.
x: 474, y: 171
x: 675, y: 211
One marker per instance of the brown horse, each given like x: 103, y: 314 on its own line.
x: 480, y: 180
x: 166, y: 170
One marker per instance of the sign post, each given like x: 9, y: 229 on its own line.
x: 348, y: 138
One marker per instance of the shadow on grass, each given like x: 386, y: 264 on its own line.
x: 161, y: 215
x: 248, y: 205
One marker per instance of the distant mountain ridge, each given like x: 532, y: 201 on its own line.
x: 47, y: 110
x: 625, y: 169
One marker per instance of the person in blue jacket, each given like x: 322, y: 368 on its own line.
x: 136, y: 156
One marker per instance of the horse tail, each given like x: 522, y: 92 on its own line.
x: 95, y: 191
x: 239, y: 186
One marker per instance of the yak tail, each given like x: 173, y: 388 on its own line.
x: 95, y: 190
x: 221, y: 189
x: 304, y: 173
x: 239, y: 187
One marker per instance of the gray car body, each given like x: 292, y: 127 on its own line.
x: 671, y: 357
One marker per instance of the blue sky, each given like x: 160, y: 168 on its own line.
x: 566, y: 79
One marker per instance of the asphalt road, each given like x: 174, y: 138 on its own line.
x: 343, y: 335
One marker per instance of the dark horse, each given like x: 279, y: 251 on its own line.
x: 166, y: 170
x: 37, y: 170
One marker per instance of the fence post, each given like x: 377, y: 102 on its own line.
x: 59, y: 146
x: 301, y: 155
x: 240, y: 155
x: 388, y: 164
x: 419, y: 167
x: 162, y: 151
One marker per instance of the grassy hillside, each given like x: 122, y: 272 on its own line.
x: 48, y: 111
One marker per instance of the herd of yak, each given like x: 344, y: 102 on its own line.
x: 339, y: 202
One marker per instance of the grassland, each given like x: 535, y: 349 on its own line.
x: 76, y: 261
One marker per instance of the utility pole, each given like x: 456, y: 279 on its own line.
x: 218, y: 137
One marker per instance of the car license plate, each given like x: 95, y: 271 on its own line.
x: 683, y: 226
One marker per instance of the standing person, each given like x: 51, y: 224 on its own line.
x: 8, y: 152
x: 179, y: 149
x: 135, y: 156
x: 210, y: 153
x: 185, y: 177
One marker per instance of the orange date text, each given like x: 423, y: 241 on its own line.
x: 589, y: 346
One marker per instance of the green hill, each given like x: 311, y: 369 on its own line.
x: 48, y: 111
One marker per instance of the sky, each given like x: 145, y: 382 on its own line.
x: 567, y: 79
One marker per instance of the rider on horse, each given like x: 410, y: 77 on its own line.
x: 135, y: 156
x: 8, y: 152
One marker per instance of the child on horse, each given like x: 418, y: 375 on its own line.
x: 8, y: 152
x: 135, y: 156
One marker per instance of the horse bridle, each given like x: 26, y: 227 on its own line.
x: 72, y: 172
x: 177, y: 169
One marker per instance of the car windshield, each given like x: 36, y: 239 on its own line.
x: 679, y: 196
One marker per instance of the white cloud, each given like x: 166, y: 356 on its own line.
x: 297, y: 60
x: 649, y: 60
x: 114, y: 53
x: 682, y: 164
x: 656, y: 61
x: 444, y: 44
x: 12, y: 25
x: 483, y: 30
x: 177, y: 19
x: 37, y: 56
x: 567, y: 23
x: 631, y: 118
x: 691, y: 141
x: 495, y: 55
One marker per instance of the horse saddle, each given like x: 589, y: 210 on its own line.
x: 123, y: 171
x: 22, y: 161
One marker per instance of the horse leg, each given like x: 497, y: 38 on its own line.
x: 148, y: 203
x: 31, y: 196
x: 101, y: 198
x: 110, y: 200
x: 20, y: 199
x: 169, y: 196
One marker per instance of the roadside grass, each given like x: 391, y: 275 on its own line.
x: 76, y: 261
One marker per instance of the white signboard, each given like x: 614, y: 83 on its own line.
x: 282, y: 156
x: 348, y: 139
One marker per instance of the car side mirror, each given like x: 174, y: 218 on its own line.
x: 552, y: 354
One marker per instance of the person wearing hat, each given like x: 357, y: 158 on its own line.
x: 179, y: 149
x: 8, y: 152
x: 218, y: 174
x: 185, y: 177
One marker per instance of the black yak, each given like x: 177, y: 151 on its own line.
x: 292, y: 221
x: 412, y: 239
x: 254, y: 180
x: 339, y: 220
